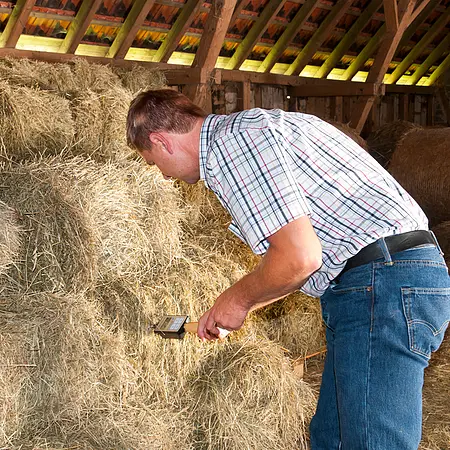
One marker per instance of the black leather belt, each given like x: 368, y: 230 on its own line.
x: 396, y: 243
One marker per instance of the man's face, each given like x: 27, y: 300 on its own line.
x: 172, y: 161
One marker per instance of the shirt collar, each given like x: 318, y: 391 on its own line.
x: 206, y: 138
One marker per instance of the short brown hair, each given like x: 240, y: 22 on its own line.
x: 160, y: 110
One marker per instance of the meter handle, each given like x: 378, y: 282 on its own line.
x: 191, y: 327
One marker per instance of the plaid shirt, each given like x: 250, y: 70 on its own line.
x: 269, y: 168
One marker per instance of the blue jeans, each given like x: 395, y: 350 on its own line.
x: 383, y: 321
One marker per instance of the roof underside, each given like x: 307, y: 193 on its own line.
x: 425, y: 43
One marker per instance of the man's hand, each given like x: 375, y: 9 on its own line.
x: 226, y: 314
x: 294, y: 254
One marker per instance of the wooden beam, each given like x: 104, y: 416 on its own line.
x: 246, y: 95
x: 440, y: 70
x: 69, y: 57
x: 420, y: 8
x: 341, y: 89
x: 288, y: 35
x: 253, y: 36
x: 408, y: 89
x: 217, y: 23
x: 391, y: 15
x: 16, y: 23
x: 348, y: 39
x: 428, y: 8
x: 364, y: 54
x: 381, y: 63
x: 325, y: 28
x: 129, y: 28
x: 417, y: 50
x: 432, y: 58
x: 183, y: 22
x: 79, y: 26
x: 208, y: 51
x: 237, y: 10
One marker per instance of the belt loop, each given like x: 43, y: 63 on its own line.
x: 436, y: 242
x: 384, y: 248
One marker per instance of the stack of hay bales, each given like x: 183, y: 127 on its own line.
x: 383, y: 142
x: 421, y: 164
x: 80, y: 109
x: 98, y: 248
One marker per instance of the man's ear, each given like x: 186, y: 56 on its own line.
x: 162, y: 139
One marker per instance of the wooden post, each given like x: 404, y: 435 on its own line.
x: 384, y: 56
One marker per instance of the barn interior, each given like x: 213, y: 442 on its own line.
x: 96, y: 247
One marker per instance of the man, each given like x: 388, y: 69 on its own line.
x: 329, y: 220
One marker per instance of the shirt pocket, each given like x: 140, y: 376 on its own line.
x: 427, y: 313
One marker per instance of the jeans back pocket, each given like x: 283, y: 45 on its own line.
x: 427, y: 313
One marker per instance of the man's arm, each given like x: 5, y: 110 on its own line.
x: 294, y: 254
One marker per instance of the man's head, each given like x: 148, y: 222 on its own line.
x: 163, y: 126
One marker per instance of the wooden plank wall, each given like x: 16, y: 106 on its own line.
x: 424, y: 110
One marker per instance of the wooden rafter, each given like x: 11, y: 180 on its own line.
x: 129, y: 28
x: 288, y: 35
x: 16, y: 23
x: 419, y: 9
x: 364, y: 54
x: 427, y: 8
x: 348, y: 39
x: 183, y: 22
x: 255, y: 33
x: 318, y: 37
x: 240, y: 5
x: 432, y: 58
x: 382, y: 60
x: 434, y: 30
x: 208, y: 51
x: 79, y: 26
x: 217, y: 23
x: 391, y: 15
x: 440, y: 70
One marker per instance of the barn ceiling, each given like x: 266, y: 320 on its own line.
x: 335, y: 39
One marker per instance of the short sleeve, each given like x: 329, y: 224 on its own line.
x: 251, y: 175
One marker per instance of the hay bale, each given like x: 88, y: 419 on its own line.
x: 63, y: 78
x: 72, y: 382
x: 9, y: 237
x: 295, y: 323
x: 88, y: 222
x: 100, y: 124
x: 421, y: 164
x: 37, y: 74
x: 138, y: 79
x: 49, y: 132
x: 350, y: 132
x: 248, y: 397
x: 442, y: 232
x: 56, y: 251
x: 436, y: 392
x: 383, y: 142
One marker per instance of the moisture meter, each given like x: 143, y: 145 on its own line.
x: 175, y: 327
